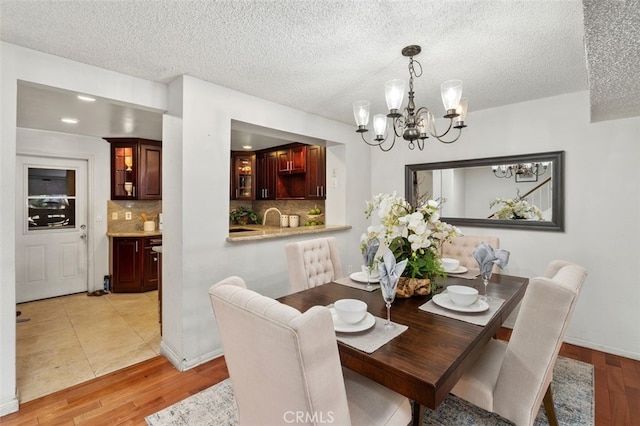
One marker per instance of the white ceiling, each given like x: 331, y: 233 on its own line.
x: 320, y: 56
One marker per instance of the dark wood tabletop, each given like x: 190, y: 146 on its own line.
x: 426, y: 361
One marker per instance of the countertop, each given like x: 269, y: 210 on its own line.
x: 259, y: 232
x: 155, y: 233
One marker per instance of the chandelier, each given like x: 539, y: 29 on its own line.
x: 521, y: 171
x: 413, y: 125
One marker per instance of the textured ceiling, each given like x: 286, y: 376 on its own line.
x: 320, y: 56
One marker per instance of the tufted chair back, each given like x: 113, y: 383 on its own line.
x: 285, y: 367
x: 313, y: 262
x: 462, y: 248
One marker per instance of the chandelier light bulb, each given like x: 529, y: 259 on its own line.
x: 379, y: 125
x: 394, y: 93
x: 451, y: 93
x: 361, y: 113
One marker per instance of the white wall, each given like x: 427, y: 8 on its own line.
x: 96, y: 152
x: 601, y: 205
x: 196, y: 180
x: 195, y: 252
x: 32, y: 66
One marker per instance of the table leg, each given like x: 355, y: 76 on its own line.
x: 418, y: 414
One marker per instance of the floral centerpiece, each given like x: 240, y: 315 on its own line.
x: 412, y: 233
x: 516, y: 208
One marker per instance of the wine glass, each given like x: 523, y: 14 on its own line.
x: 367, y: 269
x: 486, y: 275
x: 388, y: 285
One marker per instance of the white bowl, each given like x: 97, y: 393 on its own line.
x: 449, y: 265
x: 351, y: 311
x: 462, y: 295
x: 374, y: 272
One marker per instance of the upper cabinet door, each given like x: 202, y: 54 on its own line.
x: 316, y: 173
x: 266, y: 175
x: 150, y: 179
x: 292, y: 160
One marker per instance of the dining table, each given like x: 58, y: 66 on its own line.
x: 424, y: 362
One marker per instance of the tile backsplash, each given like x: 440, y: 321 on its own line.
x: 151, y: 208
x: 288, y: 207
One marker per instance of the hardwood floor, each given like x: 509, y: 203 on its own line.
x: 127, y: 396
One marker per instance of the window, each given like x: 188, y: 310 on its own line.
x: 51, y: 198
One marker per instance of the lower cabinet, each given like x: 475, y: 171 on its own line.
x: 134, y: 265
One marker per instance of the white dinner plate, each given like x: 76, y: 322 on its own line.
x: 460, y: 270
x: 361, y: 277
x: 444, y: 301
x: 342, y: 327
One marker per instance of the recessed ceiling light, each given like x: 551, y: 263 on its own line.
x: 86, y: 98
x: 247, y: 146
x: 69, y: 120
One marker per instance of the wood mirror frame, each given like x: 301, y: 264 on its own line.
x: 556, y: 158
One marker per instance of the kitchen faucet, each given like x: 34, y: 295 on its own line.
x: 264, y: 218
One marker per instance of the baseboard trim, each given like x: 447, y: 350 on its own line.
x: 603, y: 348
x: 168, y: 353
x: 183, y: 364
x: 201, y: 359
x: 9, y: 407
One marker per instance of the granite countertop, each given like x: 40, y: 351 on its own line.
x: 259, y: 232
x: 155, y: 233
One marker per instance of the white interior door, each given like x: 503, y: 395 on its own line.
x: 51, y: 231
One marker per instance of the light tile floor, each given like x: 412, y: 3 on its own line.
x: 72, y: 339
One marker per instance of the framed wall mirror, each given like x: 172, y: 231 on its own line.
x: 518, y: 191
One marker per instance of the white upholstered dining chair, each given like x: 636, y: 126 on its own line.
x: 512, y: 379
x: 313, y: 262
x: 284, y: 365
x: 463, y: 246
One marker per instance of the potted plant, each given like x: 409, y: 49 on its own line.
x: 243, y: 216
x: 412, y: 233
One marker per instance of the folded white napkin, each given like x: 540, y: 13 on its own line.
x: 390, y: 271
x: 486, y: 257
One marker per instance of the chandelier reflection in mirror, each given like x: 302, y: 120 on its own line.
x: 413, y: 125
x: 524, y: 172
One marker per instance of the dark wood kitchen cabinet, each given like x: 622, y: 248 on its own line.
x: 266, y: 175
x: 134, y: 265
x: 292, y: 160
x: 316, y: 173
x: 136, y: 169
x: 243, y: 185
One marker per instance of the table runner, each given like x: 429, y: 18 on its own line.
x: 355, y: 284
x: 479, y: 318
x: 370, y: 340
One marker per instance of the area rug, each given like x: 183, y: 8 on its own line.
x: 572, y: 391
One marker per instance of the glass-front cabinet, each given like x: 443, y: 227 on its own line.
x: 136, y: 169
x: 243, y: 187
